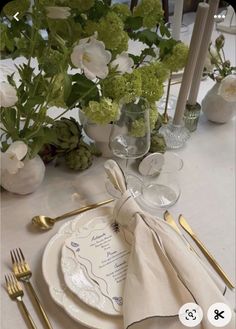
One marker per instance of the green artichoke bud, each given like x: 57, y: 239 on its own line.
x: 158, y: 143
x: 48, y: 153
x: 79, y: 159
x: 68, y: 133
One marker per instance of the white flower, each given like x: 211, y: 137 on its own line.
x: 91, y: 56
x: 11, y: 159
x: 8, y: 95
x: 58, y: 12
x: 124, y: 63
x: 227, y: 88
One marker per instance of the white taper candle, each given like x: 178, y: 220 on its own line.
x: 177, y: 19
x: 213, y: 6
x: 194, y: 47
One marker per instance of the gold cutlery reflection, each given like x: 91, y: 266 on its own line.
x: 207, y: 254
x: 16, y: 293
x: 46, y: 223
x: 23, y: 273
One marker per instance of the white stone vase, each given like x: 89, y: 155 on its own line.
x: 216, y: 108
x: 27, y: 179
x: 100, y: 134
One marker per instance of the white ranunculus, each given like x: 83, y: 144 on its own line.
x: 58, y: 12
x: 227, y: 88
x: 11, y: 159
x: 91, y: 56
x: 8, y: 96
x: 124, y: 63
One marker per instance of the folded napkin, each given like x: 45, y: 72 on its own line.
x: 163, y: 273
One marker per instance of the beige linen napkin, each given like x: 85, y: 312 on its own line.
x: 163, y: 273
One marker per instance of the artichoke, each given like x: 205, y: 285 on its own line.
x: 68, y: 133
x: 48, y: 152
x: 79, y: 159
x: 158, y: 143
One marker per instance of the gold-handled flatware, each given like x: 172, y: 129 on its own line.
x: 23, y: 273
x: 16, y: 293
x: 46, y: 223
x: 208, y: 255
x: 169, y: 219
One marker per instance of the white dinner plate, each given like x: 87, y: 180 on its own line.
x: 53, y: 275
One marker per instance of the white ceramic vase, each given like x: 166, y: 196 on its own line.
x: 216, y: 108
x: 100, y: 134
x: 27, y: 179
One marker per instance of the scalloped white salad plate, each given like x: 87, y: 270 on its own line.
x: 103, y: 252
x: 61, y: 294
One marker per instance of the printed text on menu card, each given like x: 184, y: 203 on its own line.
x: 105, y: 254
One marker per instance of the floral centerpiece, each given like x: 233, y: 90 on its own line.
x: 76, y: 54
x: 220, y: 102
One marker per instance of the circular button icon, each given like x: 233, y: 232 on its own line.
x: 219, y: 315
x: 190, y: 314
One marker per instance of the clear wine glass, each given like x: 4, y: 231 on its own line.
x: 130, y: 135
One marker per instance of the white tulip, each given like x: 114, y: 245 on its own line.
x: 227, y: 88
x: 91, y: 56
x: 58, y: 12
x: 8, y: 96
x: 11, y: 159
x: 124, y: 63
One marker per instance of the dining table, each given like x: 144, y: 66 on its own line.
x: 207, y: 201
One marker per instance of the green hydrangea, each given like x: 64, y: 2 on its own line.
x: 102, y: 112
x: 152, y: 87
x: 111, y: 31
x: 122, y: 10
x: 177, y: 60
x: 160, y: 70
x: 123, y: 87
x: 151, y: 11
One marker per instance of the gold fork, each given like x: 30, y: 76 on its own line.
x: 16, y: 293
x: 23, y: 273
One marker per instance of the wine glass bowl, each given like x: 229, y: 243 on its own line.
x: 130, y: 134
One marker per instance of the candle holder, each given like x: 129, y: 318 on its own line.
x: 175, y: 135
x: 191, y: 116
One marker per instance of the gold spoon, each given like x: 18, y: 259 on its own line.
x: 46, y: 223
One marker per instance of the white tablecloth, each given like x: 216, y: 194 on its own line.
x: 207, y: 201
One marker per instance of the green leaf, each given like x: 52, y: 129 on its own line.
x: 133, y: 23
x: 83, y: 90
x: 165, y: 31
x: 15, y: 6
x: 148, y: 37
x: 98, y: 10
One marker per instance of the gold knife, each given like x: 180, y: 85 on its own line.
x: 208, y: 255
x: 169, y: 219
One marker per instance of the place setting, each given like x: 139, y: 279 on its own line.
x: 117, y: 191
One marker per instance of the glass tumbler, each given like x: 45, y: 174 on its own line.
x: 160, y: 187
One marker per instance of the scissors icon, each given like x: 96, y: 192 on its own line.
x: 218, y: 314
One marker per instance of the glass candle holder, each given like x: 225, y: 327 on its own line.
x: 191, y: 116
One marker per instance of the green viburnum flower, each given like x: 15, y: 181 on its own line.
x: 111, y: 31
x: 158, y: 143
x: 138, y: 128
x: 102, y: 112
x: 152, y: 88
x: 122, y: 10
x: 153, y: 115
x: 151, y: 11
x: 123, y: 87
x: 177, y: 60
